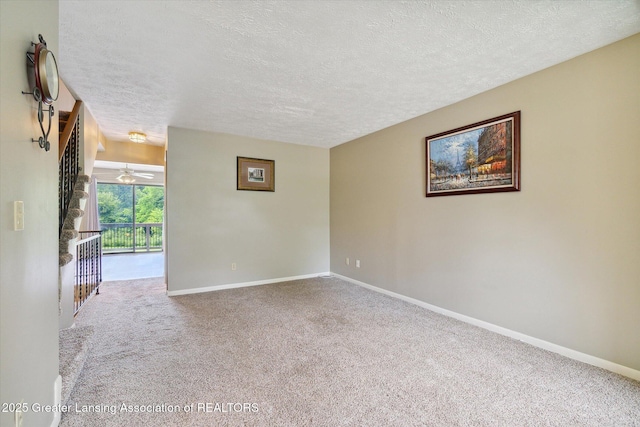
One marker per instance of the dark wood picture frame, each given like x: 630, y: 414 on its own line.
x: 255, y: 174
x: 483, y: 157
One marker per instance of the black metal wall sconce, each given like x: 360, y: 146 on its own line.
x: 45, y: 84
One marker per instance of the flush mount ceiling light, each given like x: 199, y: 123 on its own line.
x: 137, y: 137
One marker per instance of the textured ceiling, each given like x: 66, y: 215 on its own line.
x: 312, y: 72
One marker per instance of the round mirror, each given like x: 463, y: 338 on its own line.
x: 46, y: 74
x: 52, y: 75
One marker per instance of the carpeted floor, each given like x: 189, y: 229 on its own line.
x: 74, y: 347
x: 321, y: 352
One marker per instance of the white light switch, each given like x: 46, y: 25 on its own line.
x: 18, y: 215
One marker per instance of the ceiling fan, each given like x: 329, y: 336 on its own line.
x: 128, y: 175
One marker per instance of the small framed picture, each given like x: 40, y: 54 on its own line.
x: 256, y: 174
x: 483, y: 157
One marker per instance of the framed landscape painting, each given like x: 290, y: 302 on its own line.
x: 483, y: 157
x: 256, y: 174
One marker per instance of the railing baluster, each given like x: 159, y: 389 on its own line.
x: 88, y: 268
x: 117, y: 238
x: 68, y: 171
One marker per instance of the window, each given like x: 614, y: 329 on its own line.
x: 131, y: 217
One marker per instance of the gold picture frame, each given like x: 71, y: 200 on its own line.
x: 256, y: 174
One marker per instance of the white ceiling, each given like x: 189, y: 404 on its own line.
x: 312, y: 72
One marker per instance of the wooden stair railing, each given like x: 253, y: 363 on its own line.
x: 68, y: 129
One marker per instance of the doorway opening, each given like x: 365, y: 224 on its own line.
x: 131, y: 217
x: 132, y: 223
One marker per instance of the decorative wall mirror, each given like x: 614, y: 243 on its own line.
x: 42, y: 70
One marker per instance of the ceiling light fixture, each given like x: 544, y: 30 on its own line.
x: 126, y: 178
x: 137, y: 137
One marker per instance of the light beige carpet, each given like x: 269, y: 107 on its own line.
x: 321, y: 352
x: 74, y: 347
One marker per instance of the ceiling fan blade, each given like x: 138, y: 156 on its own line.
x: 143, y: 175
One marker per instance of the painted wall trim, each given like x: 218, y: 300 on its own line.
x: 545, y: 345
x: 57, y: 401
x: 244, y: 284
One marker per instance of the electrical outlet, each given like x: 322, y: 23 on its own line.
x: 346, y: 261
x: 357, y: 263
x: 234, y: 266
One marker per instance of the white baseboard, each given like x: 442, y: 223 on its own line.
x: 243, y: 285
x: 57, y: 400
x: 564, y: 351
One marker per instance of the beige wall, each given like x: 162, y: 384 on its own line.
x: 558, y: 261
x: 65, y: 101
x: 29, y: 258
x: 91, y: 137
x: 211, y: 225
